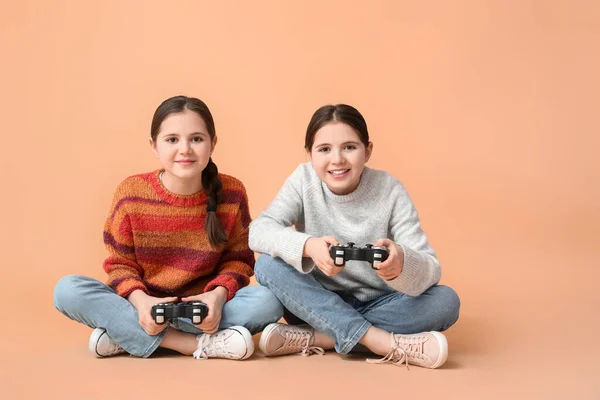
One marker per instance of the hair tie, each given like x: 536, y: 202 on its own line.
x: 211, y: 208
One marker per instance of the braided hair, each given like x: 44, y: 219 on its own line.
x: 210, y: 175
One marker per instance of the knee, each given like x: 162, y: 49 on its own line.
x: 64, y: 291
x: 270, y: 309
x: 264, y: 266
x: 449, y: 306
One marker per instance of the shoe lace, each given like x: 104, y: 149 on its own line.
x: 301, y: 339
x: 411, y: 347
x: 114, y: 348
x: 211, y: 345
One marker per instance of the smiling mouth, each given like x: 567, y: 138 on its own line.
x: 338, y: 172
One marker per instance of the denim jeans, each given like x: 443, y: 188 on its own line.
x: 346, y: 319
x: 96, y: 305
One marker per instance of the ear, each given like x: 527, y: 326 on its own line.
x: 368, y: 151
x: 153, y: 146
x: 213, y: 144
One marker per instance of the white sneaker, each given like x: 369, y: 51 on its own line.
x: 234, y: 343
x: 101, y: 345
x: 425, y: 349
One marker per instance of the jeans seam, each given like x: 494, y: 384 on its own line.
x: 299, y: 304
x: 155, y: 343
x: 352, y: 342
x: 347, y: 342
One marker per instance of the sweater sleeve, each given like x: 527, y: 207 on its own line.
x: 236, y: 264
x: 421, y: 268
x: 124, y: 273
x: 273, y: 233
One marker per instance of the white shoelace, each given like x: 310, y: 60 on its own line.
x: 302, y: 339
x: 399, y: 355
x: 212, y: 346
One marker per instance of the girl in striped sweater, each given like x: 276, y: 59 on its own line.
x: 175, y: 234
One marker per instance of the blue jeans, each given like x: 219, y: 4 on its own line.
x: 346, y: 319
x: 96, y: 305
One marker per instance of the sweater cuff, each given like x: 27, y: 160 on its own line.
x: 410, y: 269
x: 291, y: 249
x: 228, y: 282
x: 127, y: 286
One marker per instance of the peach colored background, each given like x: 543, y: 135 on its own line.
x: 486, y: 110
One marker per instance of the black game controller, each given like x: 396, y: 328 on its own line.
x: 194, y: 310
x: 343, y: 253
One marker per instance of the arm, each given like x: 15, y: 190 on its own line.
x: 420, y: 266
x: 124, y: 273
x: 236, y: 264
x: 273, y: 233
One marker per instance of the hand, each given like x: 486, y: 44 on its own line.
x: 215, y: 300
x: 392, y: 267
x: 143, y: 304
x: 318, y: 250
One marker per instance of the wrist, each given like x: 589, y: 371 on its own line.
x: 136, y: 297
x: 222, y: 293
x: 306, y: 250
x: 401, y: 256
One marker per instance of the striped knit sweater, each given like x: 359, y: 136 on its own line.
x: 157, y: 243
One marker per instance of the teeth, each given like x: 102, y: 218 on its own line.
x: 338, y: 172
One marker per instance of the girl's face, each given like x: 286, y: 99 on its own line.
x: 338, y: 156
x: 183, y: 147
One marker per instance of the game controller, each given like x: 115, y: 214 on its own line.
x: 343, y: 253
x: 194, y: 310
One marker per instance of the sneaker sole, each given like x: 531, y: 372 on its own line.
x: 264, y: 337
x: 247, y: 338
x: 94, y: 339
x: 443, y: 356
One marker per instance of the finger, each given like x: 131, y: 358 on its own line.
x: 385, y: 265
x: 152, y: 329
x: 388, y: 274
x: 384, y: 276
x: 331, y: 268
x: 148, y: 329
x: 168, y: 300
x: 333, y: 271
x: 383, y: 242
x: 212, y: 327
x: 208, y: 327
x: 324, y: 269
x: 330, y: 240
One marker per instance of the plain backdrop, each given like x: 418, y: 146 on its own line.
x: 486, y: 110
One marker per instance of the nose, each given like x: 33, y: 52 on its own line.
x: 337, y: 157
x: 185, y: 147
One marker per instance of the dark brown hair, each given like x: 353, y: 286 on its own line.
x: 210, y: 175
x: 338, y: 112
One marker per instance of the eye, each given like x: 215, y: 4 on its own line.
x: 197, y: 139
x: 351, y: 147
x: 323, y: 149
x: 171, y: 139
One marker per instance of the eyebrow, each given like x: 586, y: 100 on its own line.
x: 327, y: 144
x: 191, y: 134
